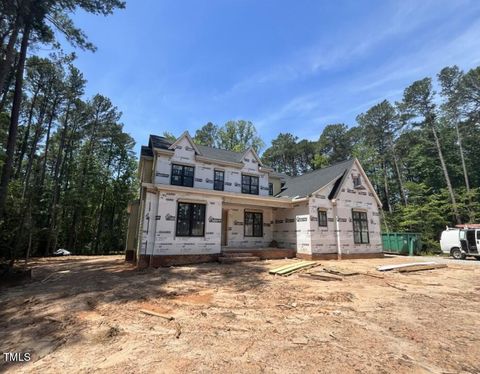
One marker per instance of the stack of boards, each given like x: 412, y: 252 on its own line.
x: 289, y: 269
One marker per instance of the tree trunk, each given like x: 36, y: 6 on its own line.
x: 13, y: 129
x: 31, y: 156
x: 385, y: 185
x: 23, y: 148
x: 52, y: 216
x: 471, y: 211
x: 47, y: 142
x: 445, y: 173
x: 102, y: 201
x: 399, y: 175
x: 6, y: 62
x: 6, y: 90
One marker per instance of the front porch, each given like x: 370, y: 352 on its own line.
x: 267, y: 253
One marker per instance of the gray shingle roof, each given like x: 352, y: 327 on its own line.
x: 156, y: 141
x: 146, y: 151
x: 220, y: 154
x: 308, y: 183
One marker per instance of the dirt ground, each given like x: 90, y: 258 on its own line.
x: 82, y: 314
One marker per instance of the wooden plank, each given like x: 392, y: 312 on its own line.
x: 296, y: 268
x: 342, y: 272
x: 322, y: 276
x: 288, y: 266
x: 292, y: 264
x: 399, y: 266
x: 420, y: 268
x: 152, y: 313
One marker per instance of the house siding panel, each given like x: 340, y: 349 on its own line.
x: 291, y: 228
x: 204, y: 172
x: 235, y: 228
x: 353, y: 198
x: 162, y: 238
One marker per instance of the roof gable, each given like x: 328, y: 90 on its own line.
x: 254, y: 154
x: 336, y: 191
x: 187, y: 136
x: 308, y: 183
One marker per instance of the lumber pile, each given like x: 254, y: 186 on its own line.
x: 339, y: 271
x: 293, y: 268
x: 413, y: 266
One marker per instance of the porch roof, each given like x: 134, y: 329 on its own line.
x: 229, y: 197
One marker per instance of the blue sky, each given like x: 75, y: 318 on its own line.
x: 287, y: 66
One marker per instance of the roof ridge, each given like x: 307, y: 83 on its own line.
x: 221, y: 149
x: 325, y: 168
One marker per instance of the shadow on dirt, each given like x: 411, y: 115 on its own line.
x: 34, y: 316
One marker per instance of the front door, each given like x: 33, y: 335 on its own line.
x: 224, y: 227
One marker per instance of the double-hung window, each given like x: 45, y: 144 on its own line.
x: 182, y: 175
x: 360, y: 227
x: 322, y: 218
x: 190, y: 219
x: 253, y: 224
x: 270, y: 189
x: 250, y: 184
x: 218, y: 180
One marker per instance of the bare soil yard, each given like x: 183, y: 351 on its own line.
x: 82, y: 314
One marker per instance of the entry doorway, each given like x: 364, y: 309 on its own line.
x: 224, y: 227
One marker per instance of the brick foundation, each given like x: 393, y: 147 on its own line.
x: 266, y: 253
x: 159, y: 261
x: 334, y: 256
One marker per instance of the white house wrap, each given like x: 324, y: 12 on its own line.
x: 196, y: 201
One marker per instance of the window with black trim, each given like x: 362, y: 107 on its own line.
x: 270, y: 189
x: 190, y: 219
x: 360, y: 227
x: 253, y: 224
x: 182, y: 175
x: 322, y: 218
x: 218, y: 180
x: 250, y: 184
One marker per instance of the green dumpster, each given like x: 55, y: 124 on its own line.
x: 402, y: 243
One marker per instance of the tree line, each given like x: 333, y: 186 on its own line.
x: 67, y: 166
x: 420, y: 153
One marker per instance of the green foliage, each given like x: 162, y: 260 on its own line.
x: 207, y: 135
x: 336, y: 143
x: 235, y: 136
x: 238, y: 136
x: 169, y: 136
x: 419, y: 154
x: 76, y: 168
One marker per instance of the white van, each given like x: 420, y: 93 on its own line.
x: 460, y: 243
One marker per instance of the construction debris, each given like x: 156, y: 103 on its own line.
x: 152, y: 313
x: 418, y: 268
x: 322, y: 276
x: 339, y: 271
x: 293, y: 267
x: 413, y: 266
